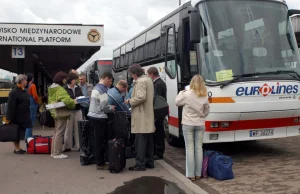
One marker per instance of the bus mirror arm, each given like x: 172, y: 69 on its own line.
x: 293, y: 12
x: 194, y: 19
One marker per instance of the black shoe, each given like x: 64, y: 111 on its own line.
x: 157, y: 158
x: 23, y: 151
x: 149, y: 166
x: 19, y: 152
x: 104, y: 167
x: 67, y: 150
x: 137, y: 168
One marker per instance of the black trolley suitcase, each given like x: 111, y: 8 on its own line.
x: 116, y: 155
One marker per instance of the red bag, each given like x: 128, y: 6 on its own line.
x: 39, y: 145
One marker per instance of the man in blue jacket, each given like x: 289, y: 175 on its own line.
x: 116, y: 96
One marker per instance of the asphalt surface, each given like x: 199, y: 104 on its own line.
x: 40, y: 174
x: 266, y: 166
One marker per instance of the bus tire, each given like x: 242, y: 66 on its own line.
x: 171, y: 139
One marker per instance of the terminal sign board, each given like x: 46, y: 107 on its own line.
x: 52, y: 35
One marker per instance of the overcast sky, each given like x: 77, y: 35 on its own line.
x: 122, y: 19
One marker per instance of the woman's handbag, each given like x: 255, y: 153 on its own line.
x: 61, y: 112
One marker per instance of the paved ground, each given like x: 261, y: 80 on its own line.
x: 268, y: 166
x: 40, y: 174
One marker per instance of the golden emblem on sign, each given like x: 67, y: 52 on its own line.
x: 93, y: 35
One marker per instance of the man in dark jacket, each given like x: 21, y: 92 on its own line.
x: 160, y: 89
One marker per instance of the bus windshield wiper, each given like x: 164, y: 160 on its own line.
x: 237, y: 77
x: 291, y: 73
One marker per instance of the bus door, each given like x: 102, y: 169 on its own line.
x: 171, y: 66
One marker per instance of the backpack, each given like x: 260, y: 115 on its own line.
x: 46, y: 119
x: 219, y: 166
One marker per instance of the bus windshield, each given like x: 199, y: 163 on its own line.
x: 246, y: 37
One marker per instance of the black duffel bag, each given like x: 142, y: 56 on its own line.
x: 10, y: 133
x: 87, y: 143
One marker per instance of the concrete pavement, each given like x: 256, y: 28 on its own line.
x: 40, y: 174
x: 266, y: 166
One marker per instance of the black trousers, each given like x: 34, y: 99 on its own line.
x: 144, y: 149
x: 159, y: 138
x: 100, y: 130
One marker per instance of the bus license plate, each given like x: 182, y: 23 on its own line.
x: 259, y: 133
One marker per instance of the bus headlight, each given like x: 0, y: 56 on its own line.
x: 214, y: 124
x: 224, y: 124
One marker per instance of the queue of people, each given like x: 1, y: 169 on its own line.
x: 105, y: 99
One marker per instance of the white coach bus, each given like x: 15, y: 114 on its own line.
x: 246, y: 52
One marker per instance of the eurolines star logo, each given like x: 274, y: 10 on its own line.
x: 265, y: 90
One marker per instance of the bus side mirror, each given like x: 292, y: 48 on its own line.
x: 194, y: 18
x: 293, y: 12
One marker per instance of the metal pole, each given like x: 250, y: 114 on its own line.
x: 179, y: 2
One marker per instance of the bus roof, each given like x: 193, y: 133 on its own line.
x: 183, y: 6
x: 195, y: 2
x: 91, y: 61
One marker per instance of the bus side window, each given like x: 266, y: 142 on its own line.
x: 170, y: 64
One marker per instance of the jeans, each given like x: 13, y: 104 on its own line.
x: 28, y: 132
x: 193, y: 137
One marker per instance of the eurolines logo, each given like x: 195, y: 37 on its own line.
x: 265, y: 90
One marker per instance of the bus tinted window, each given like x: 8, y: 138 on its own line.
x: 122, y: 58
x: 152, y: 38
x: 129, y: 55
x: 139, y: 48
x: 116, y: 55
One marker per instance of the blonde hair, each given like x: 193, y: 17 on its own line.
x: 197, y: 84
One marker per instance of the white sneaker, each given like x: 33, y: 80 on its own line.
x: 61, y: 156
x: 51, y: 155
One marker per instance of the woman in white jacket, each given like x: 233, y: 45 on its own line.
x: 195, y: 110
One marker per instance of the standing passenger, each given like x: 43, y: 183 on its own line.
x: 160, y: 88
x: 98, y: 117
x: 58, y: 94
x: 142, y: 118
x: 195, y: 109
x: 72, y: 126
x: 86, y: 89
x: 33, y: 97
x: 18, y: 110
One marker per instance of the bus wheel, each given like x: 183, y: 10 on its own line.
x: 172, y: 140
